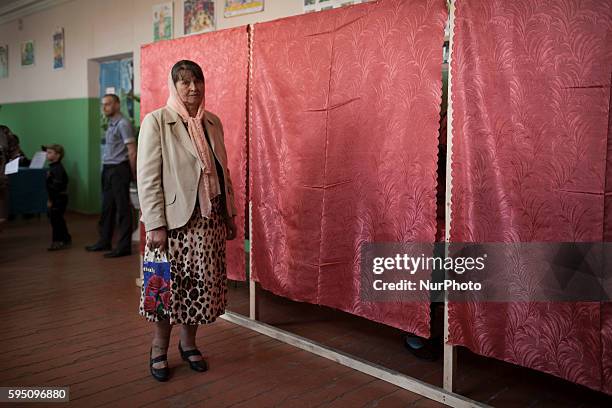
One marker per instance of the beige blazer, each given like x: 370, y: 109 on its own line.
x: 168, y: 170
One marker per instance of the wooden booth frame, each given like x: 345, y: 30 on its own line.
x: 443, y: 395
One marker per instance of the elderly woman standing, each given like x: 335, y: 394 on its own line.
x: 187, y: 203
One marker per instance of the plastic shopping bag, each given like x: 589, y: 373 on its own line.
x: 156, y: 283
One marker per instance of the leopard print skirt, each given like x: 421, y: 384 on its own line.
x: 198, y: 285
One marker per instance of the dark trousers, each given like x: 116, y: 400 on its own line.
x: 116, y: 206
x: 56, y: 217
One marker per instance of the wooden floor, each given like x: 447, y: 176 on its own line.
x: 479, y: 378
x: 70, y: 319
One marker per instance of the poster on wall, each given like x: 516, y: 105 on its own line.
x: 239, y: 7
x: 117, y: 77
x: 322, y: 5
x: 198, y: 16
x: 27, y: 53
x: 58, y: 49
x: 3, y: 61
x: 325, y: 5
x: 310, y: 6
x: 162, y: 21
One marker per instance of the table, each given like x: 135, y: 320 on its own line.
x: 27, y: 191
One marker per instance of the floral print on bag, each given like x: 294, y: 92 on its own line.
x: 157, y: 295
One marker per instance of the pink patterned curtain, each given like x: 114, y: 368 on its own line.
x: 531, y: 95
x: 344, y: 137
x: 223, y: 56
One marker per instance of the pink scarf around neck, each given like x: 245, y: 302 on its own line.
x: 195, y: 128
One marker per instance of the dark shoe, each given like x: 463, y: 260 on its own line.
x: 97, y: 247
x: 200, y: 365
x: 160, y: 374
x: 427, y: 352
x: 58, y: 245
x: 117, y: 254
x: 55, y: 245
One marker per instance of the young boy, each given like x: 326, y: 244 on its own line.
x: 57, y: 184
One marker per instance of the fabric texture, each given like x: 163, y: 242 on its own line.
x: 223, y: 56
x: 344, y: 133
x: 198, y: 279
x: 531, y: 99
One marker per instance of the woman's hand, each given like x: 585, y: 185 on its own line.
x: 157, y: 238
x: 231, y: 229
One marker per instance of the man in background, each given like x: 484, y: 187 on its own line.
x: 119, y: 168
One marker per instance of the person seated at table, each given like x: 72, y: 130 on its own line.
x: 7, y: 153
x: 23, y: 159
x: 11, y: 148
x: 57, y: 184
x: 3, y: 179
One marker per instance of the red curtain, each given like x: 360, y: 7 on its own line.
x: 531, y: 97
x: 344, y: 130
x: 606, y: 308
x: 223, y: 56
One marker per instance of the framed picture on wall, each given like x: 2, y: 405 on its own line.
x: 198, y: 16
x: 3, y: 61
x: 310, y: 6
x: 59, y: 52
x: 27, y: 53
x: 235, y: 8
x: 322, y: 5
x: 325, y: 4
x: 162, y: 21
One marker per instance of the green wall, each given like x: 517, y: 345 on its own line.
x: 73, y: 123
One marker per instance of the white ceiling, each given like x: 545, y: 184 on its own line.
x: 5, y: 2
x: 7, y: 5
x: 13, y: 9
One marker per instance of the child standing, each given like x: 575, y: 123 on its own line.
x: 57, y: 184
